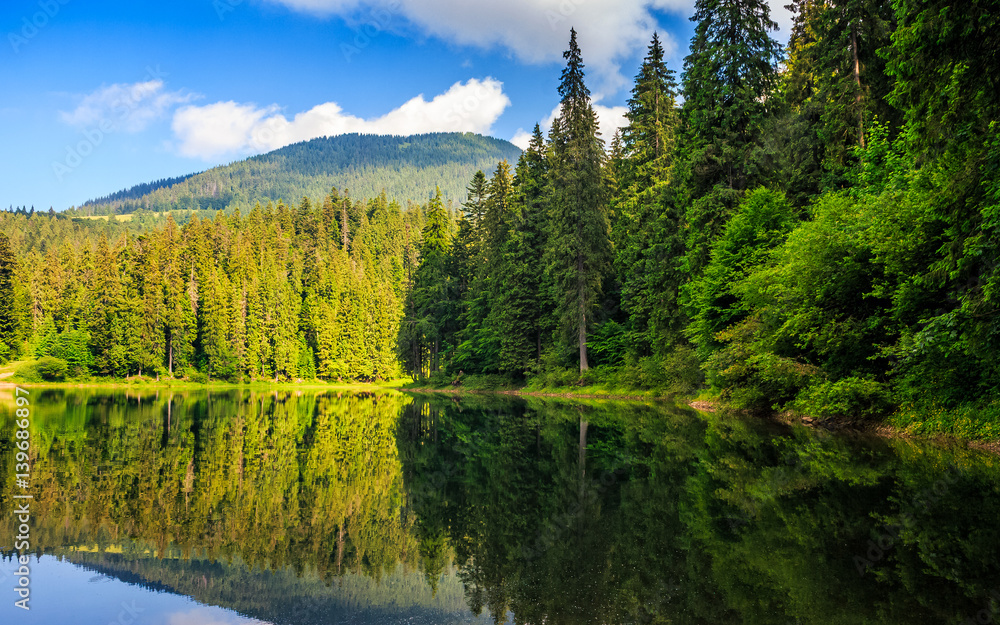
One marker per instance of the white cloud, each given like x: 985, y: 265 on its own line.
x: 609, y: 119
x: 128, y: 107
x: 210, y: 616
x: 609, y: 31
x: 231, y: 128
x: 783, y: 17
x: 521, y: 138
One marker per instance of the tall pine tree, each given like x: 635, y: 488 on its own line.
x: 8, y: 317
x: 728, y: 77
x: 579, y: 247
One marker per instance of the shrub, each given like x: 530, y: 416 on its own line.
x: 50, y: 368
x: 850, y: 397
x: 683, y: 372
x: 27, y: 373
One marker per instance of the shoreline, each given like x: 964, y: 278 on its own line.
x: 523, y: 393
x: 880, y: 429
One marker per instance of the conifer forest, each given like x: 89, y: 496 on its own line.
x: 813, y: 228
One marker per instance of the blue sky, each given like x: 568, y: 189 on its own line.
x: 100, y: 95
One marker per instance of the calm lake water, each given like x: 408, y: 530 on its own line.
x: 301, y: 508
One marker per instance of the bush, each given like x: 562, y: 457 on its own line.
x: 683, y: 372
x: 556, y: 377
x: 28, y: 373
x: 849, y: 397
x: 608, y: 344
x: 50, y: 368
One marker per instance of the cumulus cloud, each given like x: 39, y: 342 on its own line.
x: 128, y: 107
x: 231, y: 128
x: 521, y: 138
x: 781, y: 15
x: 609, y: 31
x: 609, y: 119
x: 210, y: 616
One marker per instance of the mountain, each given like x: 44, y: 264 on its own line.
x: 404, y: 167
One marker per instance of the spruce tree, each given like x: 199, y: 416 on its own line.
x: 421, y: 333
x: 8, y: 317
x: 728, y: 77
x: 648, y: 235
x: 837, y: 74
x: 532, y: 194
x: 579, y: 249
x: 648, y: 141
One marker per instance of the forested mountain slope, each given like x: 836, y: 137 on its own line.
x: 406, y: 168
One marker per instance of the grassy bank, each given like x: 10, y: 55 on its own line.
x: 26, y: 373
x: 974, y: 422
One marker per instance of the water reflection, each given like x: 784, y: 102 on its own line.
x: 305, y: 508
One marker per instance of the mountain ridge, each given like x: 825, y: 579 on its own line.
x: 405, y: 167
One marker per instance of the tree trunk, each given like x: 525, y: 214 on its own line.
x: 857, y: 80
x: 344, y: 234
x: 582, y: 330
x: 583, y: 461
x: 340, y: 545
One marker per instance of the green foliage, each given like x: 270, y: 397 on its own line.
x: 51, y: 369
x: 276, y: 294
x: 72, y: 347
x: 28, y: 373
x: 761, y: 223
x: 850, y: 397
x: 610, y: 343
x: 578, y: 249
x: 822, y: 235
x: 10, y: 320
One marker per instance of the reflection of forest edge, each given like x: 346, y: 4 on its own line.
x: 554, y: 511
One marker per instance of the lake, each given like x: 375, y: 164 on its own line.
x: 309, y: 507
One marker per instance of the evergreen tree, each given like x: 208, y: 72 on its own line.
x: 422, y: 330
x: 532, y: 195
x: 728, y: 76
x: 648, y: 235
x: 578, y: 250
x: 835, y: 72
x: 8, y: 316
x: 649, y: 139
